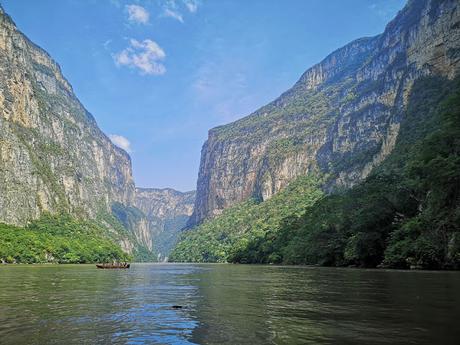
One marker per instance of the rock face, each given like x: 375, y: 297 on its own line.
x: 53, y: 156
x: 340, y: 119
x: 167, y: 212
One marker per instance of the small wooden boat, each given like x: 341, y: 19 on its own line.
x: 114, y: 265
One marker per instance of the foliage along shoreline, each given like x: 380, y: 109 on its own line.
x: 405, y: 214
x: 58, y: 239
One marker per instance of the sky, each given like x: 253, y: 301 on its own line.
x: 158, y: 74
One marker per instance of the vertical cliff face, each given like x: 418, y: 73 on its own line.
x: 340, y: 119
x: 167, y: 212
x: 53, y: 156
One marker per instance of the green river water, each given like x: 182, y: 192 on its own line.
x: 226, y: 304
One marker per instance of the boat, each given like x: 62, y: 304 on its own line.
x: 113, y: 265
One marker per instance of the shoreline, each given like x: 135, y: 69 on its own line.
x: 381, y: 269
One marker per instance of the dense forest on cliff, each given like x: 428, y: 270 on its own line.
x: 58, y: 239
x: 64, y: 238
x: 406, y: 213
x: 219, y: 239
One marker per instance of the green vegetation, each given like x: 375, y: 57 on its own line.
x: 166, y: 239
x: 43, y: 69
x: 39, y: 155
x: 122, y: 222
x: 58, y: 239
x: 294, y: 111
x: 230, y: 235
x: 407, y: 213
x: 128, y: 216
x: 65, y: 239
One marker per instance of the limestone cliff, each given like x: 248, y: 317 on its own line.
x: 53, y: 156
x: 167, y: 212
x: 340, y: 119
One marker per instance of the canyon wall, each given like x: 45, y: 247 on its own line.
x: 340, y: 120
x: 53, y: 156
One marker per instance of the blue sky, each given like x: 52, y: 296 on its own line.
x: 158, y: 74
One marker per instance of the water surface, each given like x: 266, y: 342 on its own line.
x: 226, y: 304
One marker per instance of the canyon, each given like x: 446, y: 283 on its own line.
x: 341, y: 118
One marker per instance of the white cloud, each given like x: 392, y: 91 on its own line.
x: 121, y: 142
x: 174, y: 9
x: 137, y: 14
x: 173, y: 14
x: 145, y: 56
x: 191, y: 5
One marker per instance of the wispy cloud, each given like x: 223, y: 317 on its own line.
x: 174, y: 8
x: 145, y: 56
x: 385, y: 10
x: 137, y: 14
x: 106, y: 44
x: 192, y: 5
x: 116, y: 3
x: 209, y: 78
x: 173, y: 14
x: 223, y: 90
x: 121, y: 142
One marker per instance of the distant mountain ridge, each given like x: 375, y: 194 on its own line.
x: 167, y: 212
x: 341, y: 118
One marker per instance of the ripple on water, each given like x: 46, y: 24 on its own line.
x: 226, y: 304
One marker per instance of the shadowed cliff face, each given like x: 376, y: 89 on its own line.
x: 53, y: 156
x: 167, y: 212
x: 340, y: 119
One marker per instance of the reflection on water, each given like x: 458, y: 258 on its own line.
x: 226, y: 304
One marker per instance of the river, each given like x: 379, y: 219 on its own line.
x: 226, y: 304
